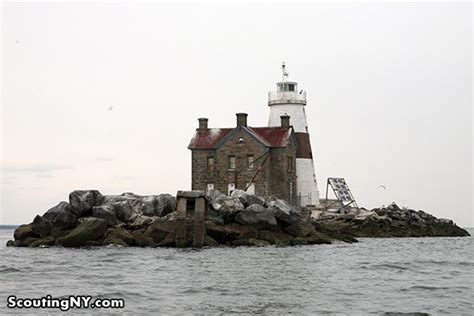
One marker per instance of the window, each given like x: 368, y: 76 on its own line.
x: 232, y: 162
x: 291, y: 87
x: 230, y: 188
x: 250, y: 164
x: 290, y: 163
x: 210, y: 163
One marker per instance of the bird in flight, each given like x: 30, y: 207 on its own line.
x: 382, y: 186
x: 110, y: 108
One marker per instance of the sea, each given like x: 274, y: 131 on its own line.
x: 377, y: 276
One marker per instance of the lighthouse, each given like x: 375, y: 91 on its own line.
x: 288, y: 100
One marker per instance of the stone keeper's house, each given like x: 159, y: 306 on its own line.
x: 259, y: 160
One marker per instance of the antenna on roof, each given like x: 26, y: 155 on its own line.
x: 283, y: 70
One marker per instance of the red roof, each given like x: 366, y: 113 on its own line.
x: 269, y: 136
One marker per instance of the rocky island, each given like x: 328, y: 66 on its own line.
x: 93, y: 219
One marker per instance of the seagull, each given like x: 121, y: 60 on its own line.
x: 382, y: 186
x: 110, y: 108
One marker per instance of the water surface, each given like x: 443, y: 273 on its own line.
x: 375, y: 276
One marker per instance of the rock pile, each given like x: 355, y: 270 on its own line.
x: 93, y: 219
x: 390, y: 221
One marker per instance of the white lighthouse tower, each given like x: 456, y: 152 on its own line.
x: 287, y: 100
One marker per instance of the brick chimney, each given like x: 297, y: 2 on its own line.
x: 285, y: 121
x: 241, y: 119
x: 202, y: 123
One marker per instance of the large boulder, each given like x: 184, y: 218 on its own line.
x: 227, y: 206
x: 300, y: 229
x: 123, y: 210
x: 82, y: 201
x: 277, y: 238
x: 89, y: 229
x: 166, y: 203
x: 119, y: 236
x: 23, y: 232
x: 159, y: 229
x: 41, y: 227
x: 106, y: 213
x: 247, y: 199
x: 61, y: 216
x: 284, y: 212
x: 229, y: 232
x: 158, y: 205
x: 257, y: 216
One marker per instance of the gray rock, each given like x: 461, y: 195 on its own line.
x: 166, y: 203
x: 82, y: 201
x: 257, y: 216
x: 123, y: 210
x: 247, y: 199
x: 226, y: 205
x: 106, y: 213
x: 284, y: 212
x: 61, y: 215
x: 300, y: 229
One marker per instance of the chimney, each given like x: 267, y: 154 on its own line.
x: 241, y: 119
x: 285, y: 121
x: 202, y: 123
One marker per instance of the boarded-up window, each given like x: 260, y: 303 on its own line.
x: 210, y: 163
x: 232, y: 162
x: 250, y: 163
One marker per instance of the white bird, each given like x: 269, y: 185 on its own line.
x: 382, y: 186
x: 110, y: 108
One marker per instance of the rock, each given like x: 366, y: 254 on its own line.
x: 258, y: 242
x: 10, y: 243
x: 240, y: 242
x: 82, y: 201
x: 23, y: 232
x: 159, y: 229
x: 41, y: 227
x: 168, y: 241
x: 106, y: 213
x: 247, y: 199
x: 123, y: 210
x: 166, y: 203
x: 210, y: 242
x: 61, y: 215
x: 87, y: 230
x: 141, y: 221
x: 229, y: 232
x: 257, y: 216
x: 316, y: 238
x: 297, y: 241
x: 227, y: 206
x: 272, y: 237
x: 284, y: 212
x: 48, y: 241
x: 25, y: 242
x: 300, y: 229
x: 119, y: 236
x: 141, y: 240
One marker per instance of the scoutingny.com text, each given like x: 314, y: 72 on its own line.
x: 64, y: 303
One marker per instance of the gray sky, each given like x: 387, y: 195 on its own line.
x: 389, y: 91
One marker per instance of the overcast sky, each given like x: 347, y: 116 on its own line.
x: 389, y: 90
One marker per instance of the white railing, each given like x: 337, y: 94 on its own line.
x: 275, y: 97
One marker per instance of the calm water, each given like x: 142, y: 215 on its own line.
x: 375, y: 276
